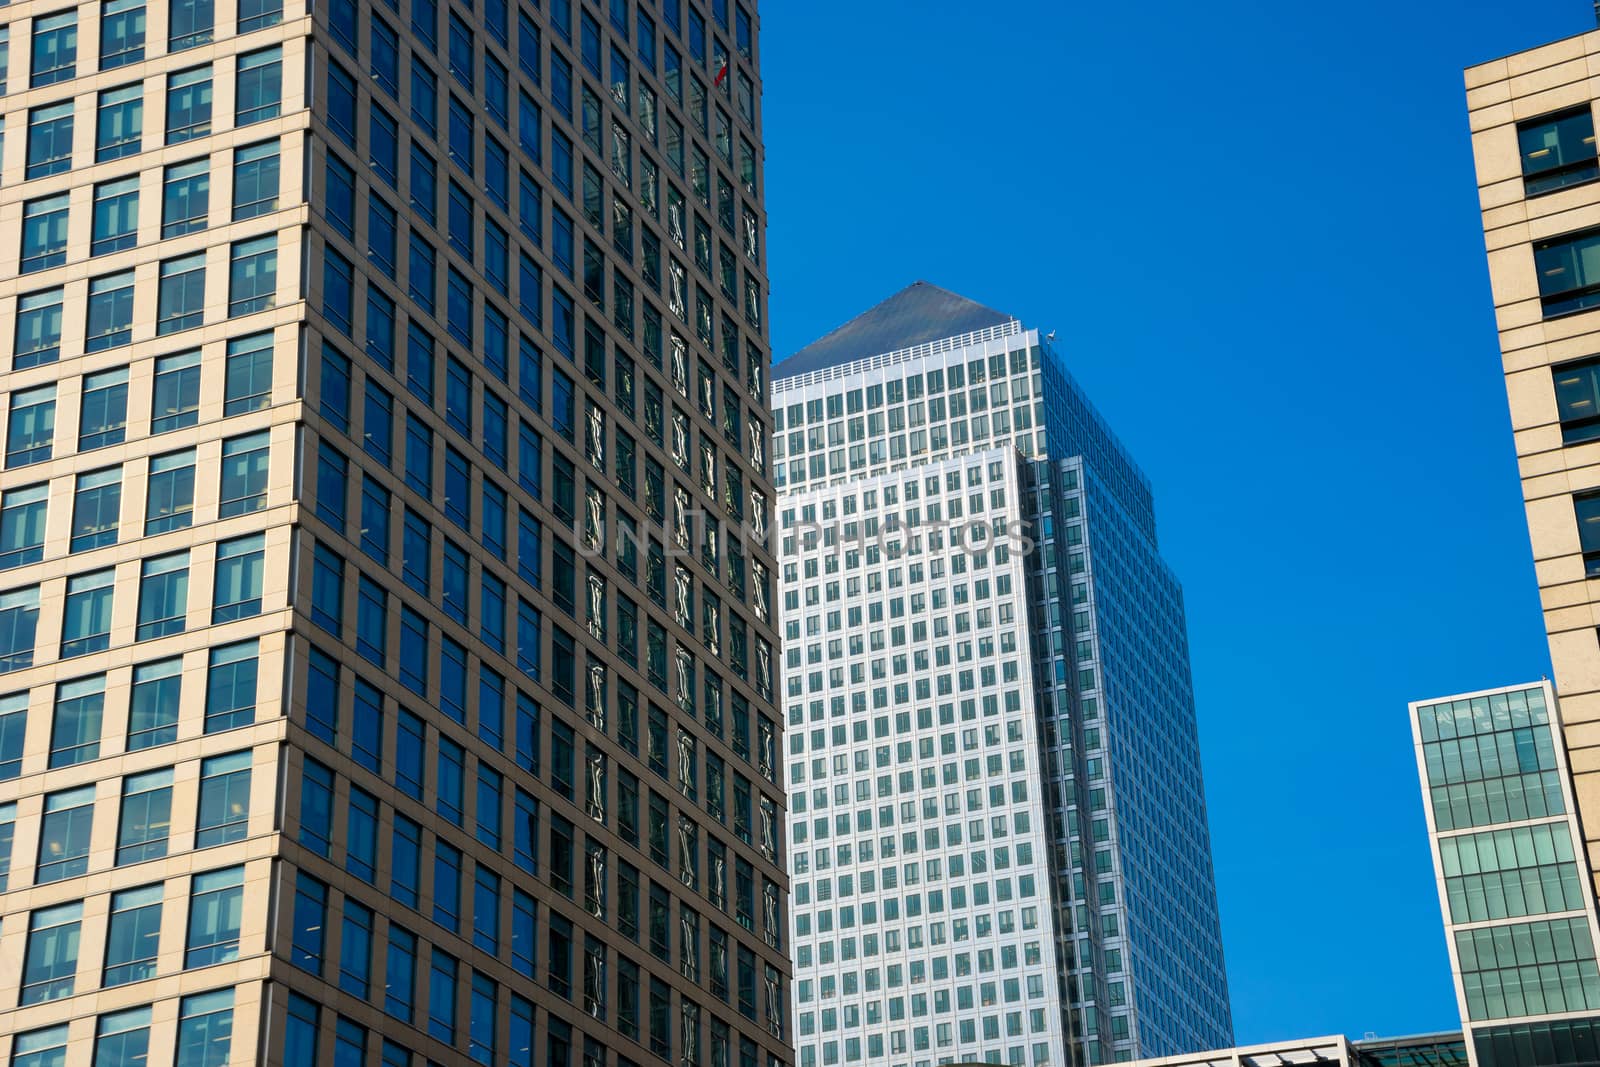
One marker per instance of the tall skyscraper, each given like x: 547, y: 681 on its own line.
x: 999, y: 841
x: 1513, y: 877
x: 384, y: 674
x: 1533, y: 139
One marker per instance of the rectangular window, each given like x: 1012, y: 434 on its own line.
x: 119, y: 120
x: 259, y: 14
x: 310, y: 924
x: 49, y: 140
x: 87, y: 624
x: 103, y: 418
x: 190, y: 24
x: 133, y: 936
x: 38, y: 337
x: 231, y: 687
x: 239, y: 578
x: 253, y: 275
x: 181, y: 297
x: 163, y: 595
x: 19, y: 619
x: 116, y: 217
x: 44, y: 233
x: 248, y: 385
x: 75, y: 730
x: 153, y: 712
x: 185, y: 198
x: 50, y: 966
x: 110, y: 312
x: 259, y: 86
x: 244, y: 474
x: 224, y: 800
x: 30, y: 430
x: 22, y: 516
x: 1558, y: 151
x: 255, y: 180
x: 55, y: 49
x: 64, y: 835
x: 188, y: 103
x: 170, y: 491
x: 146, y: 817
x: 122, y: 27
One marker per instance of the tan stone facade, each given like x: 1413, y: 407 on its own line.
x: 380, y: 681
x: 1541, y: 337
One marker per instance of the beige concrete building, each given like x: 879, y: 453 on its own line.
x: 385, y: 674
x: 1533, y: 137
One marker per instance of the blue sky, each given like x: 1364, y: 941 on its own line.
x: 1254, y: 227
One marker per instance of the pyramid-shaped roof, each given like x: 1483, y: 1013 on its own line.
x: 917, y: 314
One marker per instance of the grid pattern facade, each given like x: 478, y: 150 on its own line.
x: 1533, y: 137
x: 386, y: 637
x: 1507, y: 849
x: 1139, y: 966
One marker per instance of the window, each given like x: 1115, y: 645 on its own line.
x: 30, y: 431
x: 87, y: 625
x: 224, y: 799
x: 119, y: 121
x: 110, y: 312
x: 185, y: 198
x: 146, y: 817
x: 116, y: 218
x: 300, y: 1037
x: 75, y: 729
x: 253, y: 275
x: 22, y: 515
x: 133, y: 936
x: 1558, y: 151
x: 104, y: 416
x: 181, y: 299
x: 13, y: 733
x: 310, y: 924
x: 240, y: 572
x: 50, y: 967
x: 40, y: 1048
x: 255, y: 180
x: 176, y: 402
x: 49, y: 140
x: 1587, y: 507
x: 259, y: 88
x: 64, y: 835
x: 355, y: 950
x: 249, y: 374
x: 19, y: 619
x: 231, y: 687
x: 44, y: 233
x: 190, y: 23
x: 188, y: 104
x: 216, y: 902
x: 205, y: 1026
x: 244, y: 474
x: 96, y: 504
x: 153, y: 714
x: 170, y: 504
x: 55, y: 49
x: 38, y: 339
x: 1569, y: 272
x: 121, y: 33
x: 163, y: 596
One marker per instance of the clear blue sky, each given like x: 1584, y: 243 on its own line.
x: 1254, y: 227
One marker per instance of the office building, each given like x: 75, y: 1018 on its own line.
x: 384, y: 674
x: 1421, y: 1050
x: 999, y: 841
x: 1533, y: 140
x: 1513, y: 877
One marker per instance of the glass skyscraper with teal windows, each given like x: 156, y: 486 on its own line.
x: 1512, y: 874
x: 999, y: 847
